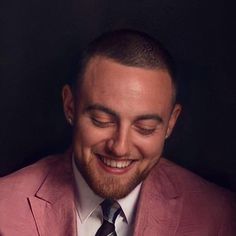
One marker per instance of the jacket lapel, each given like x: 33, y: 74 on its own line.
x: 54, y: 211
x: 53, y: 205
x: 159, y: 206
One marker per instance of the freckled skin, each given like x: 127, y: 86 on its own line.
x: 130, y: 93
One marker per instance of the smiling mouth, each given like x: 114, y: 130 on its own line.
x: 121, y: 164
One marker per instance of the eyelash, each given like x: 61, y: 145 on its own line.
x: 101, y: 124
x: 146, y: 132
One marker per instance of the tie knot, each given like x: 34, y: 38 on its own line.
x: 111, y: 209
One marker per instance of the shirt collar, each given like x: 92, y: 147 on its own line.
x: 88, y: 201
x: 128, y: 203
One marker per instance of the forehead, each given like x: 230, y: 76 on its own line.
x: 107, y: 81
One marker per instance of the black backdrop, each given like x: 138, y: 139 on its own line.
x: 39, y: 38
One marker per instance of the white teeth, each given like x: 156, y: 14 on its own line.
x: 116, y: 164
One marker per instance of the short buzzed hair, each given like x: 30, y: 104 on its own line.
x: 130, y: 48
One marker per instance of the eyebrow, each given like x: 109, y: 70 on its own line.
x: 101, y: 108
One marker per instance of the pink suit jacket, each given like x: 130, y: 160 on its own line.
x: 39, y: 200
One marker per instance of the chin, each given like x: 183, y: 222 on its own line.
x: 110, y: 186
x: 113, y: 187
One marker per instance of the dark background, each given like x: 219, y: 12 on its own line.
x: 39, y: 39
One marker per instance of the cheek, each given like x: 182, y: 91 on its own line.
x: 151, y: 148
x: 88, y: 135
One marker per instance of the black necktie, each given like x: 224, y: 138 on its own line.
x: 111, y: 209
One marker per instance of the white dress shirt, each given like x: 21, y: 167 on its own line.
x: 89, y: 217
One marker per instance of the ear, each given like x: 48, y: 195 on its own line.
x: 68, y: 104
x: 173, y: 118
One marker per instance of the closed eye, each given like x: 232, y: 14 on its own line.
x: 146, y: 131
x: 101, y: 124
x: 147, y: 126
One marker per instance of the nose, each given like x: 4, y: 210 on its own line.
x: 119, y: 144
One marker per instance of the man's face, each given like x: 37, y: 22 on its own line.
x: 121, y: 118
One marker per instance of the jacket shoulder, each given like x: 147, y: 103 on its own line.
x: 194, y: 189
x: 27, y: 179
x: 35, y: 195
x: 186, y: 181
x: 203, y: 203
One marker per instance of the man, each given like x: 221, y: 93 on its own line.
x: 122, y: 107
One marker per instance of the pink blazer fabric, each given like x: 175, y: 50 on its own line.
x: 40, y: 200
